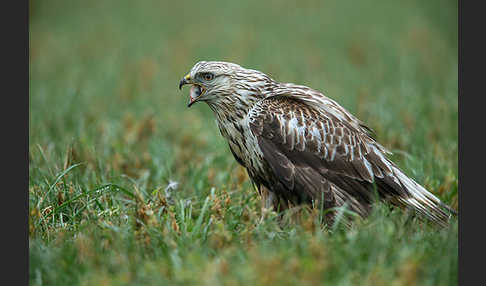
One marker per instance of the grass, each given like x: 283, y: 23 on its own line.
x: 129, y: 187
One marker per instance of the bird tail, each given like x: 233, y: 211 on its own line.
x: 422, y: 200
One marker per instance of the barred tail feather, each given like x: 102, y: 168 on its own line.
x: 422, y: 200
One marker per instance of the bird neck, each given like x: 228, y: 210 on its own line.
x: 238, y: 102
x: 233, y: 108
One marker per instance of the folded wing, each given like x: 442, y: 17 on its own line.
x: 312, y: 153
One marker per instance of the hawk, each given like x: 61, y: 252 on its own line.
x: 301, y: 147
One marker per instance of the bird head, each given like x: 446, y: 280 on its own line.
x: 214, y: 81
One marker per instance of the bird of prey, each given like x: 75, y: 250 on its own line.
x: 300, y: 147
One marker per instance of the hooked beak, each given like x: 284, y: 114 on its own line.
x: 196, y: 90
x: 184, y: 80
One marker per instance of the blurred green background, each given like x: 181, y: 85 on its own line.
x: 103, y: 93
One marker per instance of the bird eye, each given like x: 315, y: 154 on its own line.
x: 208, y: 76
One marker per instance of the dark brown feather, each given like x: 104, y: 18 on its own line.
x: 308, y: 154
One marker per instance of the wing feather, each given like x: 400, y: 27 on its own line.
x: 325, y: 141
x: 307, y: 148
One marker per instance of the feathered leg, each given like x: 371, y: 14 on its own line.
x: 267, y: 201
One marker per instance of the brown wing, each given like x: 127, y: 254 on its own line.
x: 311, y: 152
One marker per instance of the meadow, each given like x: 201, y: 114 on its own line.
x: 127, y: 186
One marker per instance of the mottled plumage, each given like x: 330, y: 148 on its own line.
x: 299, y: 146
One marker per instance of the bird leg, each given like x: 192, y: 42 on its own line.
x: 269, y: 200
